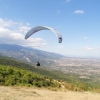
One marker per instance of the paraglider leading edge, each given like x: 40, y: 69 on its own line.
x: 39, y: 28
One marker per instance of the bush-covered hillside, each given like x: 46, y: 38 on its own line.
x: 13, y: 72
x: 17, y: 76
x: 7, y: 61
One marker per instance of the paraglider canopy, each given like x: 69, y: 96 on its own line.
x: 39, y: 28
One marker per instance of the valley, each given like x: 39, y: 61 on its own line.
x: 87, y: 69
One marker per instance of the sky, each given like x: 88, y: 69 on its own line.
x: 78, y: 21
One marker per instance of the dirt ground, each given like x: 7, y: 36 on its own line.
x: 17, y: 93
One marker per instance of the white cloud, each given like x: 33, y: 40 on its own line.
x: 61, y: 47
x: 6, y: 23
x: 88, y: 48
x: 12, y: 33
x: 24, y: 28
x: 79, y: 12
x: 85, y: 38
x: 67, y: 0
x: 27, y: 23
x: 57, y: 51
x: 58, y: 12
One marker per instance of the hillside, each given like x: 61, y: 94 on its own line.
x: 8, y: 61
x: 10, y: 76
x: 69, y: 81
x: 16, y: 73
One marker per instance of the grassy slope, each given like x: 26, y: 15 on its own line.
x: 15, y: 63
x: 73, y: 82
x: 13, y: 72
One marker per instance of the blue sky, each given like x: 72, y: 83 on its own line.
x: 77, y: 20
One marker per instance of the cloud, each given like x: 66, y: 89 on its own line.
x: 79, y: 12
x: 14, y: 32
x: 6, y: 23
x: 61, y: 47
x: 58, y: 12
x: 88, y: 48
x: 85, y: 38
x: 27, y: 23
x: 24, y: 28
x: 67, y: 0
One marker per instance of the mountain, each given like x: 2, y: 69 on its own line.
x: 29, y: 55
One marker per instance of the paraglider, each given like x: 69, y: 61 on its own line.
x: 38, y: 64
x: 39, y: 28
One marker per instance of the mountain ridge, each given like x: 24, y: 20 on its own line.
x: 29, y: 55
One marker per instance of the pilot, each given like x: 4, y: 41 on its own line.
x: 38, y: 64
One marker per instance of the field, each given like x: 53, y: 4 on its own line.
x: 20, y: 93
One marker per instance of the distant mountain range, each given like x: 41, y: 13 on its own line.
x: 83, y: 68
x: 53, y: 61
x: 29, y: 55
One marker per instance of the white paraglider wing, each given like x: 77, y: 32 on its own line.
x: 38, y: 28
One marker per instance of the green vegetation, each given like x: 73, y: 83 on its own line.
x: 13, y: 72
x: 16, y: 76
